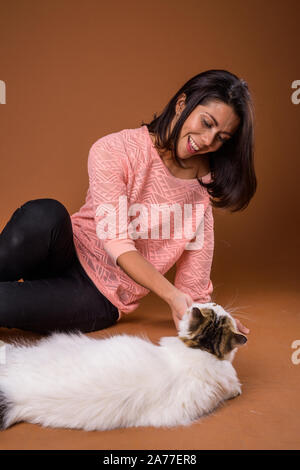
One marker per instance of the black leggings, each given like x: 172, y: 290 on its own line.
x: 37, y: 245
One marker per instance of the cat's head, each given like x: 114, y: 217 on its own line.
x: 210, y: 328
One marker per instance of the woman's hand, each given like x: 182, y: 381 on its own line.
x: 179, y: 302
x: 242, y: 329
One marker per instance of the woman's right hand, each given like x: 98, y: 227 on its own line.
x: 145, y: 274
x: 179, y: 302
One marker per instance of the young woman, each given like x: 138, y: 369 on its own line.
x: 85, y: 271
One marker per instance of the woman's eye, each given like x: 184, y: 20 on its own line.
x: 207, y: 124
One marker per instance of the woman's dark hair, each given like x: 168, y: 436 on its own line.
x: 233, y: 181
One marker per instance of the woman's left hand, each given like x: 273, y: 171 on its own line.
x: 242, y: 329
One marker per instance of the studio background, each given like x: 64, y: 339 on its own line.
x: 76, y: 71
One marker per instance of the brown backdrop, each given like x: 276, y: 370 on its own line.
x: 77, y: 70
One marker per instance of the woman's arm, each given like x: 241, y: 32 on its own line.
x: 193, y: 268
x: 145, y: 274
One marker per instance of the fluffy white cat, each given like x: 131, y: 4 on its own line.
x: 71, y: 380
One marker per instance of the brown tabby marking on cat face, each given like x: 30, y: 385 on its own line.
x: 213, y: 333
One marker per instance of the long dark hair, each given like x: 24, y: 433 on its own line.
x: 232, y: 165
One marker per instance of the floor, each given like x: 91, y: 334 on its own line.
x: 265, y: 416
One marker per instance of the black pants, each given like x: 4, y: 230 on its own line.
x: 37, y: 245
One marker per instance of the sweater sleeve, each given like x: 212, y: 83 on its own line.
x: 193, y: 268
x: 107, y: 172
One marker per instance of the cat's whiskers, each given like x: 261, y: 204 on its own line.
x: 238, y: 313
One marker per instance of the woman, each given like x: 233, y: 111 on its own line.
x: 83, y: 272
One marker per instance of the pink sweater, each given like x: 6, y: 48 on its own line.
x: 127, y: 164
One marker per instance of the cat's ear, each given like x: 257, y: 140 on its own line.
x: 237, y: 339
x: 200, y: 314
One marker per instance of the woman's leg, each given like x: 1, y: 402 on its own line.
x: 69, y: 301
x: 57, y: 294
x: 37, y: 241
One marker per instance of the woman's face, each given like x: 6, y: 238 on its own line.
x: 206, y: 128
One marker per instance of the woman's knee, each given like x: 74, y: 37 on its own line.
x: 45, y: 209
x: 42, y: 215
x: 31, y: 220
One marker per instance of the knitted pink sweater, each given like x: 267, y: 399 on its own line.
x: 127, y: 164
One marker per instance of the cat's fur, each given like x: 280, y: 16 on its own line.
x: 75, y: 381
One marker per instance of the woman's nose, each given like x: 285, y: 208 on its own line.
x: 208, y: 138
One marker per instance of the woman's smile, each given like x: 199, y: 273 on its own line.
x: 192, y: 146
